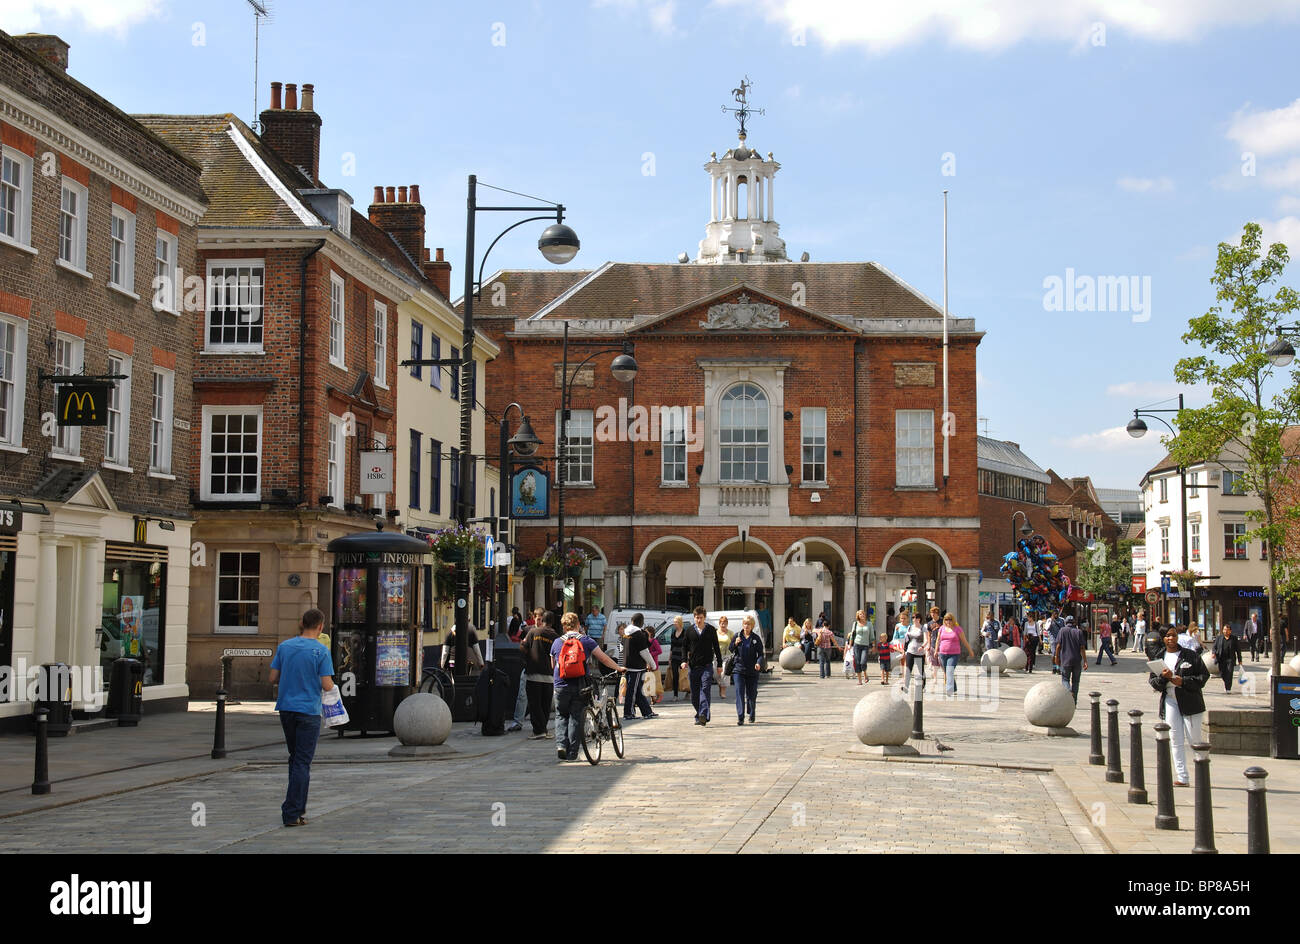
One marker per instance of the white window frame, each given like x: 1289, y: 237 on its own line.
x: 672, y: 441
x: 756, y: 451
x: 1164, y: 490
x: 205, y: 471
x: 161, y: 426
x: 381, y: 345
x: 580, y: 449
x: 11, y: 425
x: 812, y: 436
x: 1164, y: 544
x: 248, y: 323
x: 121, y: 272
x: 76, y: 257
x: 240, y: 577
x: 165, y: 289
x: 119, y: 408
x: 336, y: 461
x: 1194, y: 540
x: 338, y: 320
x: 914, y: 448
x: 22, y: 209
x: 67, y: 439
x: 1193, y: 485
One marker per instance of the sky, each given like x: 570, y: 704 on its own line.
x: 1079, y: 140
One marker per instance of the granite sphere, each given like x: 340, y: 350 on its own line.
x: 1049, y: 705
x: 1016, y: 658
x: 792, y: 659
x: 882, y: 718
x: 422, y: 719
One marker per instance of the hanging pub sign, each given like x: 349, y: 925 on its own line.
x: 11, y: 520
x: 82, y: 404
x: 376, y: 473
x: 530, y: 494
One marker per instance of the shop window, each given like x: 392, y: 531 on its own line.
x: 133, y: 620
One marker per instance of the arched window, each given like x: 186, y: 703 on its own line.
x: 742, y: 430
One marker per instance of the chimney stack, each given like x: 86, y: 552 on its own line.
x: 401, y: 218
x: 438, y: 272
x: 292, y: 133
x: 50, y: 48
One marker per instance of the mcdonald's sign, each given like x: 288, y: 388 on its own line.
x: 83, y: 405
x: 141, y: 530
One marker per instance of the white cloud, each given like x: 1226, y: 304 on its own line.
x: 1285, y: 231
x: 1194, y: 254
x: 1145, y: 184
x: 1116, y: 439
x: 1267, y: 132
x: 992, y: 25
x: 1286, y: 176
x: 1288, y: 204
x: 660, y: 14
x: 23, y: 16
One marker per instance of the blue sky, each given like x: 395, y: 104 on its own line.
x: 1100, y: 136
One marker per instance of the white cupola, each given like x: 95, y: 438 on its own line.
x: 741, y: 227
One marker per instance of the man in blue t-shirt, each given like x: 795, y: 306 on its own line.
x: 569, y: 704
x: 596, y: 624
x: 304, y: 669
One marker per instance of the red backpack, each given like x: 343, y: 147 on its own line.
x: 573, y: 658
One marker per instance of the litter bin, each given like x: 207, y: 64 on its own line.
x: 1286, y: 717
x: 126, y: 692
x: 56, y: 698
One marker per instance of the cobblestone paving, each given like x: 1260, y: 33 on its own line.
x: 786, y: 784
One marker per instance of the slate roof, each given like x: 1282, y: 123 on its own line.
x: 526, y: 291
x: 61, y: 485
x: 997, y: 455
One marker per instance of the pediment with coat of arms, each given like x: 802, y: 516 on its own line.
x: 744, y: 314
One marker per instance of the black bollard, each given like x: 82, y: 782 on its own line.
x: 918, y: 715
x: 1204, y: 814
x: 41, y: 785
x: 219, y: 735
x: 1094, y: 752
x: 1256, y: 812
x: 1114, y: 772
x: 1165, y: 816
x: 1137, y: 791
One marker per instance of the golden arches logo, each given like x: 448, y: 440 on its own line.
x: 82, y: 397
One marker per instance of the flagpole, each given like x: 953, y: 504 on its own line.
x: 946, y: 427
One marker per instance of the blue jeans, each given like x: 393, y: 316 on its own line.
x: 1070, y: 678
x: 824, y: 662
x: 635, y: 697
x: 569, y: 705
x: 521, y: 702
x: 746, y: 693
x: 1105, y: 647
x: 301, y: 732
x: 860, y: 656
x: 701, y: 682
x: 949, y: 661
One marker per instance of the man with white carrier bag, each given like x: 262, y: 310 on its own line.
x: 303, y: 668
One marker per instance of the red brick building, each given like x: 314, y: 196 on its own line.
x: 808, y: 424
x: 95, y: 214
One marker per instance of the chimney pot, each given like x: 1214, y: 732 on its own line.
x: 438, y: 256
x: 401, y: 194
x: 291, y: 96
x: 308, y: 97
x: 415, y: 193
x: 426, y: 254
x: 391, y: 195
x: 275, y: 95
x: 379, y: 195
x: 49, y: 47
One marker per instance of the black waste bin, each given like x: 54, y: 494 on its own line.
x: 1286, y: 717
x: 56, y: 698
x: 510, y: 660
x: 126, y: 692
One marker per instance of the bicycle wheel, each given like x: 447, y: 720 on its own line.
x: 591, y: 735
x: 615, y: 728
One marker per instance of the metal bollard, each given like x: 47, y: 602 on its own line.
x: 1094, y: 752
x: 219, y: 735
x: 918, y: 715
x: 1204, y: 813
x: 1256, y: 811
x: 41, y: 784
x: 1114, y: 772
x: 1137, y: 791
x: 1165, y: 816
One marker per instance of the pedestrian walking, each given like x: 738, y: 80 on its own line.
x: 1254, y: 636
x: 825, y: 640
x: 1104, y: 643
x: 859, y: 637
x: 1284, y: 634
x: 1017, y: 637
x: 915, y: 653
x: 952, y: 640
x: 724, y: 644
x: 1069, y: 655
x: 1031, y: 642
x: 677, y: 656
x: 596, y: 624
x: 303, y: 669
x: 569, y: 655
x: 515, y: 628
x: 539, y: 681
x: 702, y: 654
x: 448, y: 656
x: 884, y: 648
x: 748, y: 651
x: 1184, y: 676
x: 1227, y: 652
x: 652, y: 660
x: 535, y: 619
x: 990, y: 631
x: 1189, y: 637
x: 636, y: 645
x: 932, y: 643
x: 1139, y: 633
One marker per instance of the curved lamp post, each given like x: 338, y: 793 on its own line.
x: 1137, y: 428
x: 1281, y: 352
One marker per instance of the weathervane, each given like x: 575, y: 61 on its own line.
x: 744, y: 111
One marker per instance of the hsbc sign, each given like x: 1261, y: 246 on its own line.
x: 376, y: 473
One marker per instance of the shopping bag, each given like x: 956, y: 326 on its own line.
x: 1242, y: 678
x: 648, y: 687
x: 849, y: 668
x: 331, y: 708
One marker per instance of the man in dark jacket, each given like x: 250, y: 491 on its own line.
x: 537, y: 678
x: 636, y: 645
x: 703, y: 653
x: 1181, y: 703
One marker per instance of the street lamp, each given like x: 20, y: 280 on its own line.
x: 523, y: 443
x: 1025, y: 529
x: 1137, y: 429
x: 624, y: 368
x: 1281, y: 353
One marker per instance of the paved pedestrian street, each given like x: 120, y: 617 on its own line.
x: 795, y: 782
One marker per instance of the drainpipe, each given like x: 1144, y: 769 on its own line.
x: 858, y: 348
x: 302, y: 373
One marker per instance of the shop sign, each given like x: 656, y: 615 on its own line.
x: 1139, y: 583
x: 82, y: 404
x: 376, y: 473
x: 1251, y: 593
x: 1139, y: 558
x: 11, y: 520
x: 530, y: 494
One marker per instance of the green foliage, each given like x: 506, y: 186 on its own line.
x: 1102, y: 570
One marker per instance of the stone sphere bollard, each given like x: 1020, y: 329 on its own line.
x: 792, y: 659
x: 1295, y: 662
x: 882, y: 719
x: 1049, y: 705
x: 421, y: 720
x: 1210, y: 661
x: 1016, y: 658
x: 994, y: 660
x: 1289, y: 669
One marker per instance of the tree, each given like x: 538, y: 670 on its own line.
x: 1250, y: 408
x: 1104, y: 570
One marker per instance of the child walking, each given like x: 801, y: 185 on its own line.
x: 882, y: 654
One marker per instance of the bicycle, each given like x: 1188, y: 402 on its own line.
x: 600, y: 719
x: 438, y: 682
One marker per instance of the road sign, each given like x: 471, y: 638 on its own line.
x: 231, y: 653
x: 1153, y: 596
x: 1139, y: 583
x: 489, y: 552
x: 503, y: 558
x: 1164, y: 585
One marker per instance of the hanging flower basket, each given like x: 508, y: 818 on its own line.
x: 550, y: 564
x: 455, y: 548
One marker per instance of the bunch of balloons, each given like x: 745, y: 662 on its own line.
x: 1035, y: 575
